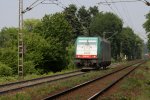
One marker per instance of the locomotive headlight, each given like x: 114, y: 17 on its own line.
x: 94, y: 56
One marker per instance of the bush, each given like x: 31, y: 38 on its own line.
x: 5, y: 70
x: 71, y: 56
x: 8, y: 56
x: 29, y: 67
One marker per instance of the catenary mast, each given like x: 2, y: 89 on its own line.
x: 20, y: 40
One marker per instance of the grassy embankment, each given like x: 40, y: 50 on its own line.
x: 41, y: 91
x: 135, y: 87
x: 8, y: 79
x: 38, y: 92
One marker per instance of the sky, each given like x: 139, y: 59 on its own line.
x: 132, y: 13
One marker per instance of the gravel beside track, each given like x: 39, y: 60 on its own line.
x: 5, y: 88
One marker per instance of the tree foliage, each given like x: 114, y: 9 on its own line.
x: 34, y: 49
x: 31, y: 25
x: 85, y: 16
x: 131, y: 44
x: 8, y: 54
x: 71, y: 17
x: 105, y: 23
x: 146, y: 25
x: 49, y: 42
x: 93, y: 11
x: 80, y: 19
x: 59, y: 34
x: 5, y: 70
x: 85, y: 19
x: 8, y: 37
x: 56, y: 26
x: 148, y: 42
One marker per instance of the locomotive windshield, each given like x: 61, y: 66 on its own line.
x: 87, y: 43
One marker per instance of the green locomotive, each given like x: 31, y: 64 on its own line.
x: 92, y: 52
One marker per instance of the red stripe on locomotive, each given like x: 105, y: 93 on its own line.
x: 86, y: 56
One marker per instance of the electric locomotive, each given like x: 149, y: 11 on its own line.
x: 92, y: 52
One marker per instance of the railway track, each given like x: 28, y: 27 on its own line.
x: 92, y: 90
x: 15, y: 86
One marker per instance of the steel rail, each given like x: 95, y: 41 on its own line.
x: 53, y: 97
x: 112, y: 84
x: 72, y: 74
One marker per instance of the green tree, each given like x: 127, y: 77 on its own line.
x: 58, y: 33
x: 32, y: 25
x: 8, y: 37
x: 146, y: 25
x: 8, y: 49
x: 5, y: 70
x: 106, y: 25
x: 34, y: 47
x: 85, y: 16
x: 93, y: 11
x: 56, y: 26
x: 131, y: 44
x: 148, y: 42
x: 34, y: 50
x: 139, y: 45
x: 71, y: 56
x: 85, y: 19
x: 73, y: 20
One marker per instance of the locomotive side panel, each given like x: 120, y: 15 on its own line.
x: 106, y: 54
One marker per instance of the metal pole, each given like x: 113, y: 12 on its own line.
x: 20, y: 40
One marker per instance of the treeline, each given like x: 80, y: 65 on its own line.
x: 146, y: 25
x: 49, y: 42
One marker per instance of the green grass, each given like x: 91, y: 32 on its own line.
x: 41, y: 91
x: 116, y: 96
x: 9, y: 79
x: 18, y: 96
x: 15, y: 78
x: 135, y: 87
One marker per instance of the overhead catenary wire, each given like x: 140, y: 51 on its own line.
x: 71, y: 1
x: 119, y: 12
x: 126, y: 13
x: 120, y: 1
x: 129, y: 16
x: 36, y: 3
x: 111, y: 8
x: 78, y: 2
x: 144, y: 1
x: 58, y: 3
x: 129, y: 21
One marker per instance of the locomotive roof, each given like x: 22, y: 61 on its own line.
x: 101, y: 39
x: 87, y: 37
